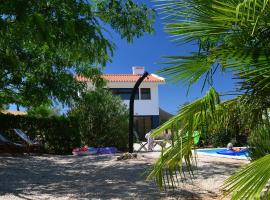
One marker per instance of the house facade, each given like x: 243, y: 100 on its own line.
x: 146, y: 103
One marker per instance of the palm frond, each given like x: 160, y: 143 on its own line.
x: 187, y: 69
x: 191, y: 117
x: 186, y: 119
x: 194, y: 19
x: 252, y: 11
x: 229, y: 34
x: 233, y: 35
x: 250, y: 181
x: 207, y: 115
x: 169, y: 168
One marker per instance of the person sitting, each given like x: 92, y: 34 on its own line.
x: 230, y: 146
x: 236, y: 149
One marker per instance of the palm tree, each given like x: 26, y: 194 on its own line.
x: 233, y: 36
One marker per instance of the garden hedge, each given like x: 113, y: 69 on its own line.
x: 59, y: 134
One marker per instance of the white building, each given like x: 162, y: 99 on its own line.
x: 146, y: 104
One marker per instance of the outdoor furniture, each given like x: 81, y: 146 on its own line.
x: 141, y: 143
x: 31, y: 145
x: 161, y: 143
x: 151, y: 141
x: 7, y: 146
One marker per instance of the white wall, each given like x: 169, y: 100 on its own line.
x: 141, y: 107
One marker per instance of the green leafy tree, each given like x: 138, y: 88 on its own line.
x: 103, y: 119
x: 233, y: 36
x: 43, y: 111
x: 44, y: 43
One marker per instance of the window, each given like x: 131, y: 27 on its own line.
x: 124, y: 93
x: 145, y: 93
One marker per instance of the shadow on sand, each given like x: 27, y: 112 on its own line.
x: 47, y: 177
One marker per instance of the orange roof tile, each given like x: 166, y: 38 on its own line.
x: 125, y: 78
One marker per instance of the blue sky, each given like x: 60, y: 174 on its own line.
x: 147, y: 51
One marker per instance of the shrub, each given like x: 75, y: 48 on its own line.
x: 259, y: 141
x: 43, y: 111
x: 103, y: 119
x: 222, y: 137
x: 59, y: 134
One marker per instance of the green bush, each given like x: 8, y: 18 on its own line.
x: 59, y: 134
x: 222, y: 137
x: 259, y: 141
x: 43, y: 111
x: 103, y: 119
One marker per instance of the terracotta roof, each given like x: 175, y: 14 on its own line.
x: 125, y: 78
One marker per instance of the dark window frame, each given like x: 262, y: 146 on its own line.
x: 124, y: 93
x: 145, y: 93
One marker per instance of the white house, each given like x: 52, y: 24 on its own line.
x: 146, y: 104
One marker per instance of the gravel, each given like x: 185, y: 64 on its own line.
x: 103, y: 177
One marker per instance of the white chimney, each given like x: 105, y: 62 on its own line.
x: 137, y: 70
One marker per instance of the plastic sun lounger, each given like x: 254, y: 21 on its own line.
x: 7, y: 146
x: 32, y: 146
x: 6, y: 141
x: 23, y: 136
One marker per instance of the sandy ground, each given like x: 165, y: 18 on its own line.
x: 102, y: 177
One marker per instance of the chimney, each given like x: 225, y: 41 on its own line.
x: 137, y: 70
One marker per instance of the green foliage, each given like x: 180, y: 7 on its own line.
x: 233, y: 36
x: 103, y: 119
x: 223, y: 136
x: 44, y: 43
x: 260, y: 141
x: 192, y: 117
x: 187, y: 119
x: 169, y: 168
x: 58, y: 134
x: 221, y: 139
x: 248, y: 182
x: 228, y: 36
x: 43, y: 111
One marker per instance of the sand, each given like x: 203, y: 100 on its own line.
x: 102, y: 177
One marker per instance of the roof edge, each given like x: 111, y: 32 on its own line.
x: 159, y: 77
